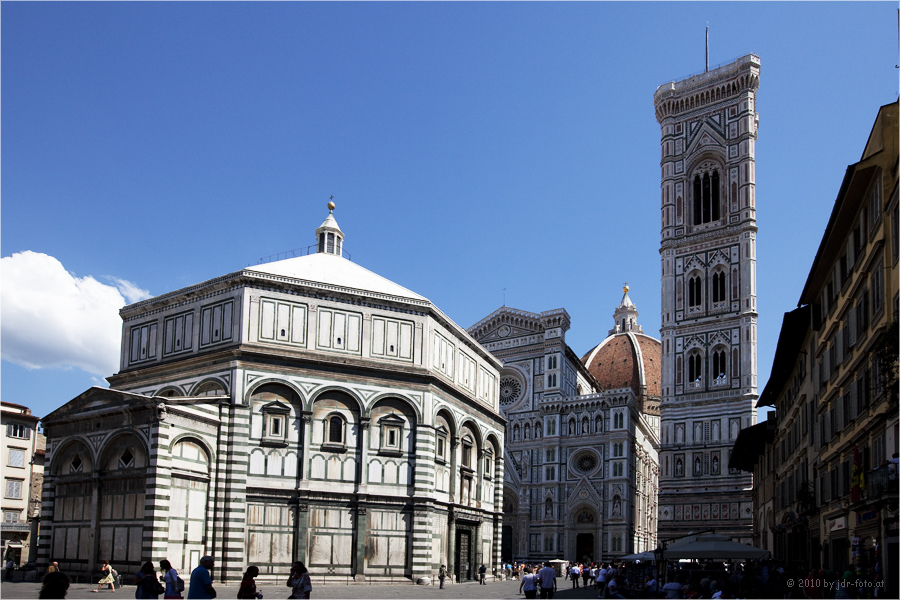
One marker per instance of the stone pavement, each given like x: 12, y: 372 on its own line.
x: 497, y: 589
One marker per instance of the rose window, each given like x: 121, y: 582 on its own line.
x: 586, y: 463
x: 510, y: 388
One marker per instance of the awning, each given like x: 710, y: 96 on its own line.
x: 13, y: 544
x: 714, y: 547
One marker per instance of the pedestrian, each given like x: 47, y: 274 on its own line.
x: 53, y: 568
x: 106, y: 577
x: 442, y: 575
x: 146, y: 582
x: 547, y: 577
x: 585, y: 575
x: 174, y: 583
x: 10, y: 565
x: 248, y: 585
x: 201, y: 586
x: 601, y: 579
x: 529, y: 584
x: 675, y: 588
x: 55, y: 585
x: 482, y: 575
x: 575, y: 573
x: 299, y: 581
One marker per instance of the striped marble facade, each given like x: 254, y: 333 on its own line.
x: 265, y: 417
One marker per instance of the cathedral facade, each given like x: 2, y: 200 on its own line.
x: 305, y: 409
x: 581, y: 467
x: 708, y: 125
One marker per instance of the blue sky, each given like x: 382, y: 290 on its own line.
x: 469, y: 147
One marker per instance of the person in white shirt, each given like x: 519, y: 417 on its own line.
x: 547, y: 577
x: 575, y: 573
x: 529, y: 584
x: 674, y: 589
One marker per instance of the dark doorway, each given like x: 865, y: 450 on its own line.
x: 584, y: 547
x: 506, y: 544
x: 463, y: 557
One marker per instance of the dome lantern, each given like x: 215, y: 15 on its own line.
x: 625, y: 317
x: 330, y: 238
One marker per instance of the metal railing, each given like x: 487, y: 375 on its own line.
x: 294, y: 253
x: 882, y: 482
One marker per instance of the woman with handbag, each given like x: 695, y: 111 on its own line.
x: 106, y: 578
x: 174, y: 583
x: 148, y: 586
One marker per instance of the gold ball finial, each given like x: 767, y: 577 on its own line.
x: 626, y: 288
x: 331, y: 206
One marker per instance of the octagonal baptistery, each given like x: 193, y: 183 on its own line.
x: 627, y: 358
x: 303, y: 409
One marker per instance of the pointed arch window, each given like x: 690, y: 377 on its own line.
x: 718, y: 287
x: 706, y: 197
x: 695, y: 292
x: 695, y: 366
x: 719, y: 367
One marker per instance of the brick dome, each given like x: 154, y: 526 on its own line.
x: 627, y: 358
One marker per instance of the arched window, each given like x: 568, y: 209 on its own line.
x: 335, y: 430
x: 718, y: 287
x: 694, y: 368
x: 719, y: 367
x: 618, y: 420
x: 706, y: 197
x: 695, y: 291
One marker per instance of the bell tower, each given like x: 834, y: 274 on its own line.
x: 708, y: 126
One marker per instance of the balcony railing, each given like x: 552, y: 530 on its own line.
x: 16, y: 526
x: 881, y: 482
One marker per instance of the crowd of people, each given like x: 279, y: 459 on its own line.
x: 150, y: 584
x: 766, y: 579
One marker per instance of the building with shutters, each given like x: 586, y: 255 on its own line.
x: 708, y: 128
x: 581, y: 471
x: 304, y: 409
x: 834, y: 383
x: 23, y: 466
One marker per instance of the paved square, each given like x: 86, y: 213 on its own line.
x: 498, y: 589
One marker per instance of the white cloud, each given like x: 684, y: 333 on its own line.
x: 130, y: 291
x: 52, y: 319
